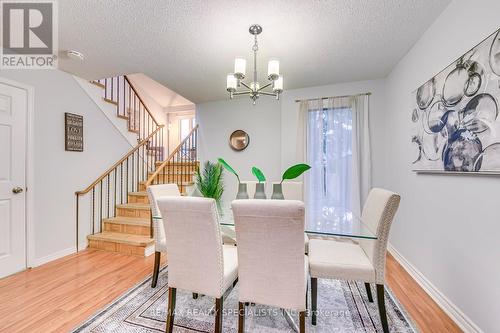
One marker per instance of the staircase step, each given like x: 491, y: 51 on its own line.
x: 128, y: 225
x: 139, y: 210
x: 184, y: 176
x: 123, y: 243
x: 158, y: 163
x: 138, y: 197
x: 110, y: 101
x: 100, y: 85
x: 182, y: 185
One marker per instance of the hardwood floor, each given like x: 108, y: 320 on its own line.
x: 59, y: 295
x: 425, y: 313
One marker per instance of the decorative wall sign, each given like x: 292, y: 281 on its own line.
x: 456, y: 127
x: 73, y: 132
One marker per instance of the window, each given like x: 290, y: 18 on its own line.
x: 329, y: 152
x: 185, y: 126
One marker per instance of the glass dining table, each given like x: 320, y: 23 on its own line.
x: 327, y: 221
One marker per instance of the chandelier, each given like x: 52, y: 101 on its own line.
x: 253, y: 89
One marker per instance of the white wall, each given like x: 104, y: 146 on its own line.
x: 447, y: 225
x: 262, y: 122
x: 58, y: 173
x: 272, y: 127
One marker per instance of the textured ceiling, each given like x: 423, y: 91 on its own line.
x: 189, y: 46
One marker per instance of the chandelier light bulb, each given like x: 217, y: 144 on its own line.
x: 231, y: 83
x: 240, y: 66
x: 254, y: 86
x: 278, y: 84
x: 273, y: 69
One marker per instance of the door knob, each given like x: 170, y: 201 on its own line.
x: 17, y: 190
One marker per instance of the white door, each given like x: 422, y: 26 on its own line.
x: 13, y: 117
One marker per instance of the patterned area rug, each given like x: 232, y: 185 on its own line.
x: 342, y: 307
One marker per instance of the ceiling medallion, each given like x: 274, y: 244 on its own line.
x: 253, y: 89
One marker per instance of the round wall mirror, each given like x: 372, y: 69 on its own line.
x: 239, y: 140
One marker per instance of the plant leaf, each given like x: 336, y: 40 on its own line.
x: 209, y: 183
x: 294, y: 171
x: 228, y: 167
x: 258, y: 174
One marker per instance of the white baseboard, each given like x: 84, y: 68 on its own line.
x: 464, y: 322
x: 54, y: 256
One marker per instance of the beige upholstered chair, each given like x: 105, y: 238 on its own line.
x: 365, y: 261
x: 155, y: 192
x: 197, y: 260
x: 294, y: 191
x: 272, y: 265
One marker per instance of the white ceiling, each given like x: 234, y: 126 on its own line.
x: 190, y: 45
x: 162, y: 95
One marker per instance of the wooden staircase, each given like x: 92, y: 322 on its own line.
x: 120, y: 215
x: 129, y: 231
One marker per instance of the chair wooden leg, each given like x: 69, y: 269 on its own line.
x: 156, y: 269
x: 241, y: 317
x: 171, y: 309
x: 314, y: 299
x: 381, y: 307
x: 218, y: 315
x: 369, y: 292
x: 307, y: 300
x: 302, y: 322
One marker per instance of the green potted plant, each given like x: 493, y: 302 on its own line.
x: 260, y: 192
x: 209, y: 183
x: 291, y: 173
x: 242, y: 187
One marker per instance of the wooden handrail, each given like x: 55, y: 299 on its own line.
x: 142, y: 143
x: 140, y: 99
x: 172, y: 154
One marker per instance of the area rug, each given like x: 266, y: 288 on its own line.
x: 342, y: 307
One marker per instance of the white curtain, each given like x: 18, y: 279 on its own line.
x: 337, y: 146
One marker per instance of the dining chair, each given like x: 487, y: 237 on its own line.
x: 197, y: 259
x: 155, y: 192
x: 294, y: 191
x: 271, y: 262
x: 364, y: 261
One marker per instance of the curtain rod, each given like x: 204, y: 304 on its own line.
x: 323, y: 98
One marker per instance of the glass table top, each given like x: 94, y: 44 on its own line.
x: 323, y: 222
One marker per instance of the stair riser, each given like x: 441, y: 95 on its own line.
x: 179, y: 169
x: 121, y: 248
x: 127, y: 229
x: 182, y: 188
x: 195, y: 164
x: 138, y: 199
x: 132, y: 212
x: 173, y: 178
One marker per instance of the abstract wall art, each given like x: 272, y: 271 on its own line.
x: 456, y: 125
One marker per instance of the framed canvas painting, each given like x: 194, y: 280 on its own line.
x: 456, y: 126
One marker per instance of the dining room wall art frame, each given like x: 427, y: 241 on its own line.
x: 456, y: 126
